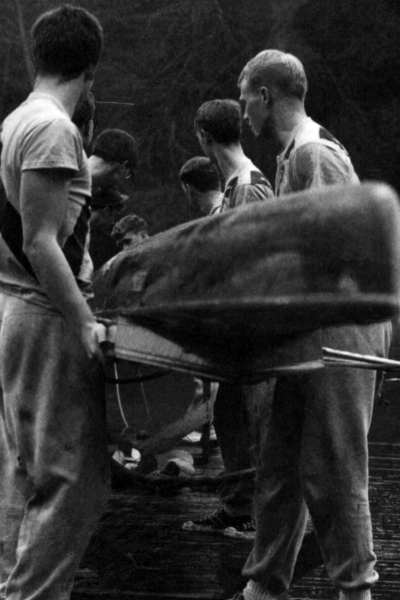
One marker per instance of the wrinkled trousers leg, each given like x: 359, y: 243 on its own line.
x: 280, y: 510
x: 316, y: 456
x: 236, y: 420
x: 54, y: 465
x: 232, y: 427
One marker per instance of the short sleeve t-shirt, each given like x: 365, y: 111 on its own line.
x: 40, y: 135
x: 313, y: 158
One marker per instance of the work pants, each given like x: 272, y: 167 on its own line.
x: 315, y: 459
x: 238, y: 412
x: 54, y: 466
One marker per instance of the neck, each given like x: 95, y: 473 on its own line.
x: 68, y: 93
x: 288, y: 115
x: 230, y: 159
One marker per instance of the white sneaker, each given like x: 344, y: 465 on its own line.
x: 192, y: 438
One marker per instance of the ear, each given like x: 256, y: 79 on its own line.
x: 187, y: 190
x: 265, y: 95
x: 205, y: 137
x: 89, y: 73
x: 125, y: 170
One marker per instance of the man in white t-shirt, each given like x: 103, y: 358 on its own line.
x: 315, y: 457
x: 54, y: 465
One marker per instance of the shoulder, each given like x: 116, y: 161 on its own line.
x: 316, y: 163
x: 311, y: 154
x: 308, y: 154
x: 50, y: 140
x: 247, y: 193
x: 252, y: 176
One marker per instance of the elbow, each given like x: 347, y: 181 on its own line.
x: 33, y: 249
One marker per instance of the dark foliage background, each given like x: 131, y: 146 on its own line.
x: 163, y: 58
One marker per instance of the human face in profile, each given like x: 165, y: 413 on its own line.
x: 255, y: 111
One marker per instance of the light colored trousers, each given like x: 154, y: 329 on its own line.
x: 54, y: 467
x: 315, y: 460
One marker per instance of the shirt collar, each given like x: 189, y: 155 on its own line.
x: 292, y: 137
x: 43, y: 95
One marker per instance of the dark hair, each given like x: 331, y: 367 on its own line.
x: 221, y: 119
x: 66, y: 41
x: 84, y: 112
x: 129, y: 223
x: 275, y: 69
x: 201, y: 174
x: 116, y: 145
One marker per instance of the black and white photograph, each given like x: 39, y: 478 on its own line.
x: 199, y: 300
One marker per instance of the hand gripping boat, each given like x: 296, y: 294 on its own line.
x: 241, y: 295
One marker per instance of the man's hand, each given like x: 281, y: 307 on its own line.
x: 93, y: 335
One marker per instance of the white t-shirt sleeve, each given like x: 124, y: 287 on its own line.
x: 53, y: 144
x: 315, y: 165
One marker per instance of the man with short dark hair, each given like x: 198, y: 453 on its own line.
x: 202, y: 185
x: 218, y: 126
x: 315, y: 458
x: 54, y: 465
x: 129, y: 231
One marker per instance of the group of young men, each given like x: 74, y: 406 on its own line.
x: 54, y: 465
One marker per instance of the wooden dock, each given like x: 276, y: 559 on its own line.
x: 140, y: 552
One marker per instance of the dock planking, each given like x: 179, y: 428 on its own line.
x: 140, y: 552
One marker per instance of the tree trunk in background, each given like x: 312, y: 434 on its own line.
x: 24, y: 41
x: 6, y: 76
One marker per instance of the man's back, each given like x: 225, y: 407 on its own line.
x: 40, y: 135
x: 245, y: 186
x: 312, y: 158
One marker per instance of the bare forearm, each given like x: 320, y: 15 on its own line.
x: 44, y: 202
x: 58, y: 282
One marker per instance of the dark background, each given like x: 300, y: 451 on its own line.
x: 163, y: 58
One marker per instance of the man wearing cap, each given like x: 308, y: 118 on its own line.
x: 114, y: 158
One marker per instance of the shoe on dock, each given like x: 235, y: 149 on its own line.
x: 239, y: 526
